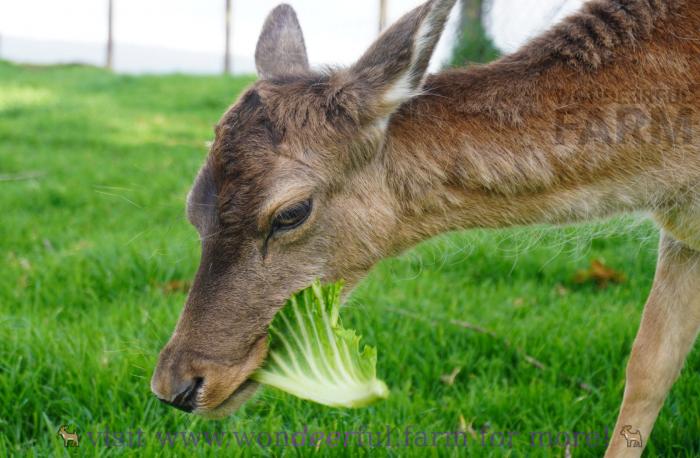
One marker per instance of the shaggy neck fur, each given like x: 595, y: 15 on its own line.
x: 588, y: 120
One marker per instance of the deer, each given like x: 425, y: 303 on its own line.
x: 321, y: 173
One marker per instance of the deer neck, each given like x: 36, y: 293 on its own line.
x: 514, y: 143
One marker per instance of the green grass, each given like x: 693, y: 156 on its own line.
x: 88, y: 243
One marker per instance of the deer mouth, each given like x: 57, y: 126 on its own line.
x: 244, y: 389
x: 240, y: 396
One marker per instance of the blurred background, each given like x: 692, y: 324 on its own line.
x: 211, y: 36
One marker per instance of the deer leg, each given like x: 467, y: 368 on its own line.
x: 669, y: 327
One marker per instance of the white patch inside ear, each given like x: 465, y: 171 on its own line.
x: 423, y: 35
x: 402, y: 89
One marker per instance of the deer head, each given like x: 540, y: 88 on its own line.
x: 294, y: 188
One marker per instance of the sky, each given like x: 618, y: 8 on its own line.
x: 188, y: 35
x: 510, y: 23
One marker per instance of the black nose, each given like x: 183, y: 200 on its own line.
x: 186, y: 400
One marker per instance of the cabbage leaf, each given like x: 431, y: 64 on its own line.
x: 313, y: 357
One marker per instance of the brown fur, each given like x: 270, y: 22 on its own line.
x: 593, y: 118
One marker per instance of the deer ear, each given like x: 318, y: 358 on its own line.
x: 395, y: 66
x: 281, y: 49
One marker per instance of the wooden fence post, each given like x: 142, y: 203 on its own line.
x: 382, y: 15
x: 227, y: 48
x: 109, y: 62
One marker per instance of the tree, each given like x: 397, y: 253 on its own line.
x: 473, y: 45
x: 471, y: 12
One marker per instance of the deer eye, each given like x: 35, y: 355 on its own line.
x: 292, y: 217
